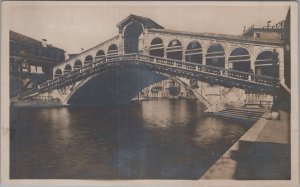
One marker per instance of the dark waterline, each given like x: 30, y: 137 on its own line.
x: 161, y: 139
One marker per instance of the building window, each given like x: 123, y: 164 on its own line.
x: 257, y: 35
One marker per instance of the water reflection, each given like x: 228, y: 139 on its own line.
x: 156, y: 115
x: 160, y: 139
x: 60, y: 124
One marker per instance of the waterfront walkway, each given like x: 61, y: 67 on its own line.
x: 263, y: 152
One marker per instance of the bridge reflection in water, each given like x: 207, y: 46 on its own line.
x: 162, y: 139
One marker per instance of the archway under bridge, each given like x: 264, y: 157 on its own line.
x: 119, y: 86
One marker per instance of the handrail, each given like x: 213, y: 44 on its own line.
x: 245, y: 76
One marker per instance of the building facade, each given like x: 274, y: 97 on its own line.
x: 271, y: 32
x: 31, y: 61
x: 28, y: 55
x: 165, y: 89
x: 277, y: 31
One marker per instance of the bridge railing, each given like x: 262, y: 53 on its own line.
x: 250, y: 77
x: 64, y: 77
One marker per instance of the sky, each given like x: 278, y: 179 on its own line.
x: 72, y: 27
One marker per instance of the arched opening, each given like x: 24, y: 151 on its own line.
x: 174, y: 50
x: 100, y: 55
x: 77, y: 64
x: 92, y: 92
x: 67, y: 69
x: 157, y: 47
x: 215, y: 56
x: 240, y: 60
x: 131, y: 37
x: 88, y: 60
x: 193, y: 52
x: 58, y: 73
x: 266, y: 64
x: 112, y: 50
x: 114, y: 86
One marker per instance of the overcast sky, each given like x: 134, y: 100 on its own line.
x: 76, y: 27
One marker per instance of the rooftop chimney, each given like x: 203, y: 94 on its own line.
x: 44, y: 42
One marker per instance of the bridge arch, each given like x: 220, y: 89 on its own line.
x: 157, y: 47
x: 100, y: 55
x: 193, y: 52
x: 88, y: 60
x: 266, y: 63
x: 239, y: 59
x: 77, y: 64
x: 67, y: 69
x: 58, y: 73
x: 174, y: 50
x: 215, y: 55
x: 137, y: 88
x: 132, y: 33
x: 112, y: 50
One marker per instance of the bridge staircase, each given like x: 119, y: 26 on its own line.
x: 34, y: 81
x: 240, y: 114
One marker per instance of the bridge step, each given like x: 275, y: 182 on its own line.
x: 240, y: 114
x: 245, y: 111
x: 228, y: 114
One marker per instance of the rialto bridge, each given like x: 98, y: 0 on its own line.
x: 249, y: 65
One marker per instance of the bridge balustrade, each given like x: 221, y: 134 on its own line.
x: 178, y: 64
x: 74, y: 72
x: 29, y: 92
x: 190, y: 66
x: 44, y: 84
x: 146, y: 58
x: 212, y: 69
x: 161, y: 61
x: 85, y: 68
x: 83, y: 71
x: 266, y: 80
x: 239, y: 75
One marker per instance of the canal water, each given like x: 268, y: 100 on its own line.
x: 158, y: 139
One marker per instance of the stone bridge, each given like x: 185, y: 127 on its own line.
x: 253, y: 65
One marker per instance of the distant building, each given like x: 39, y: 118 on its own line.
x: 165, y: 89
x: 31, y: 61
x: 278, y: 31
x: 270, y: 32
x: 28, y: 55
